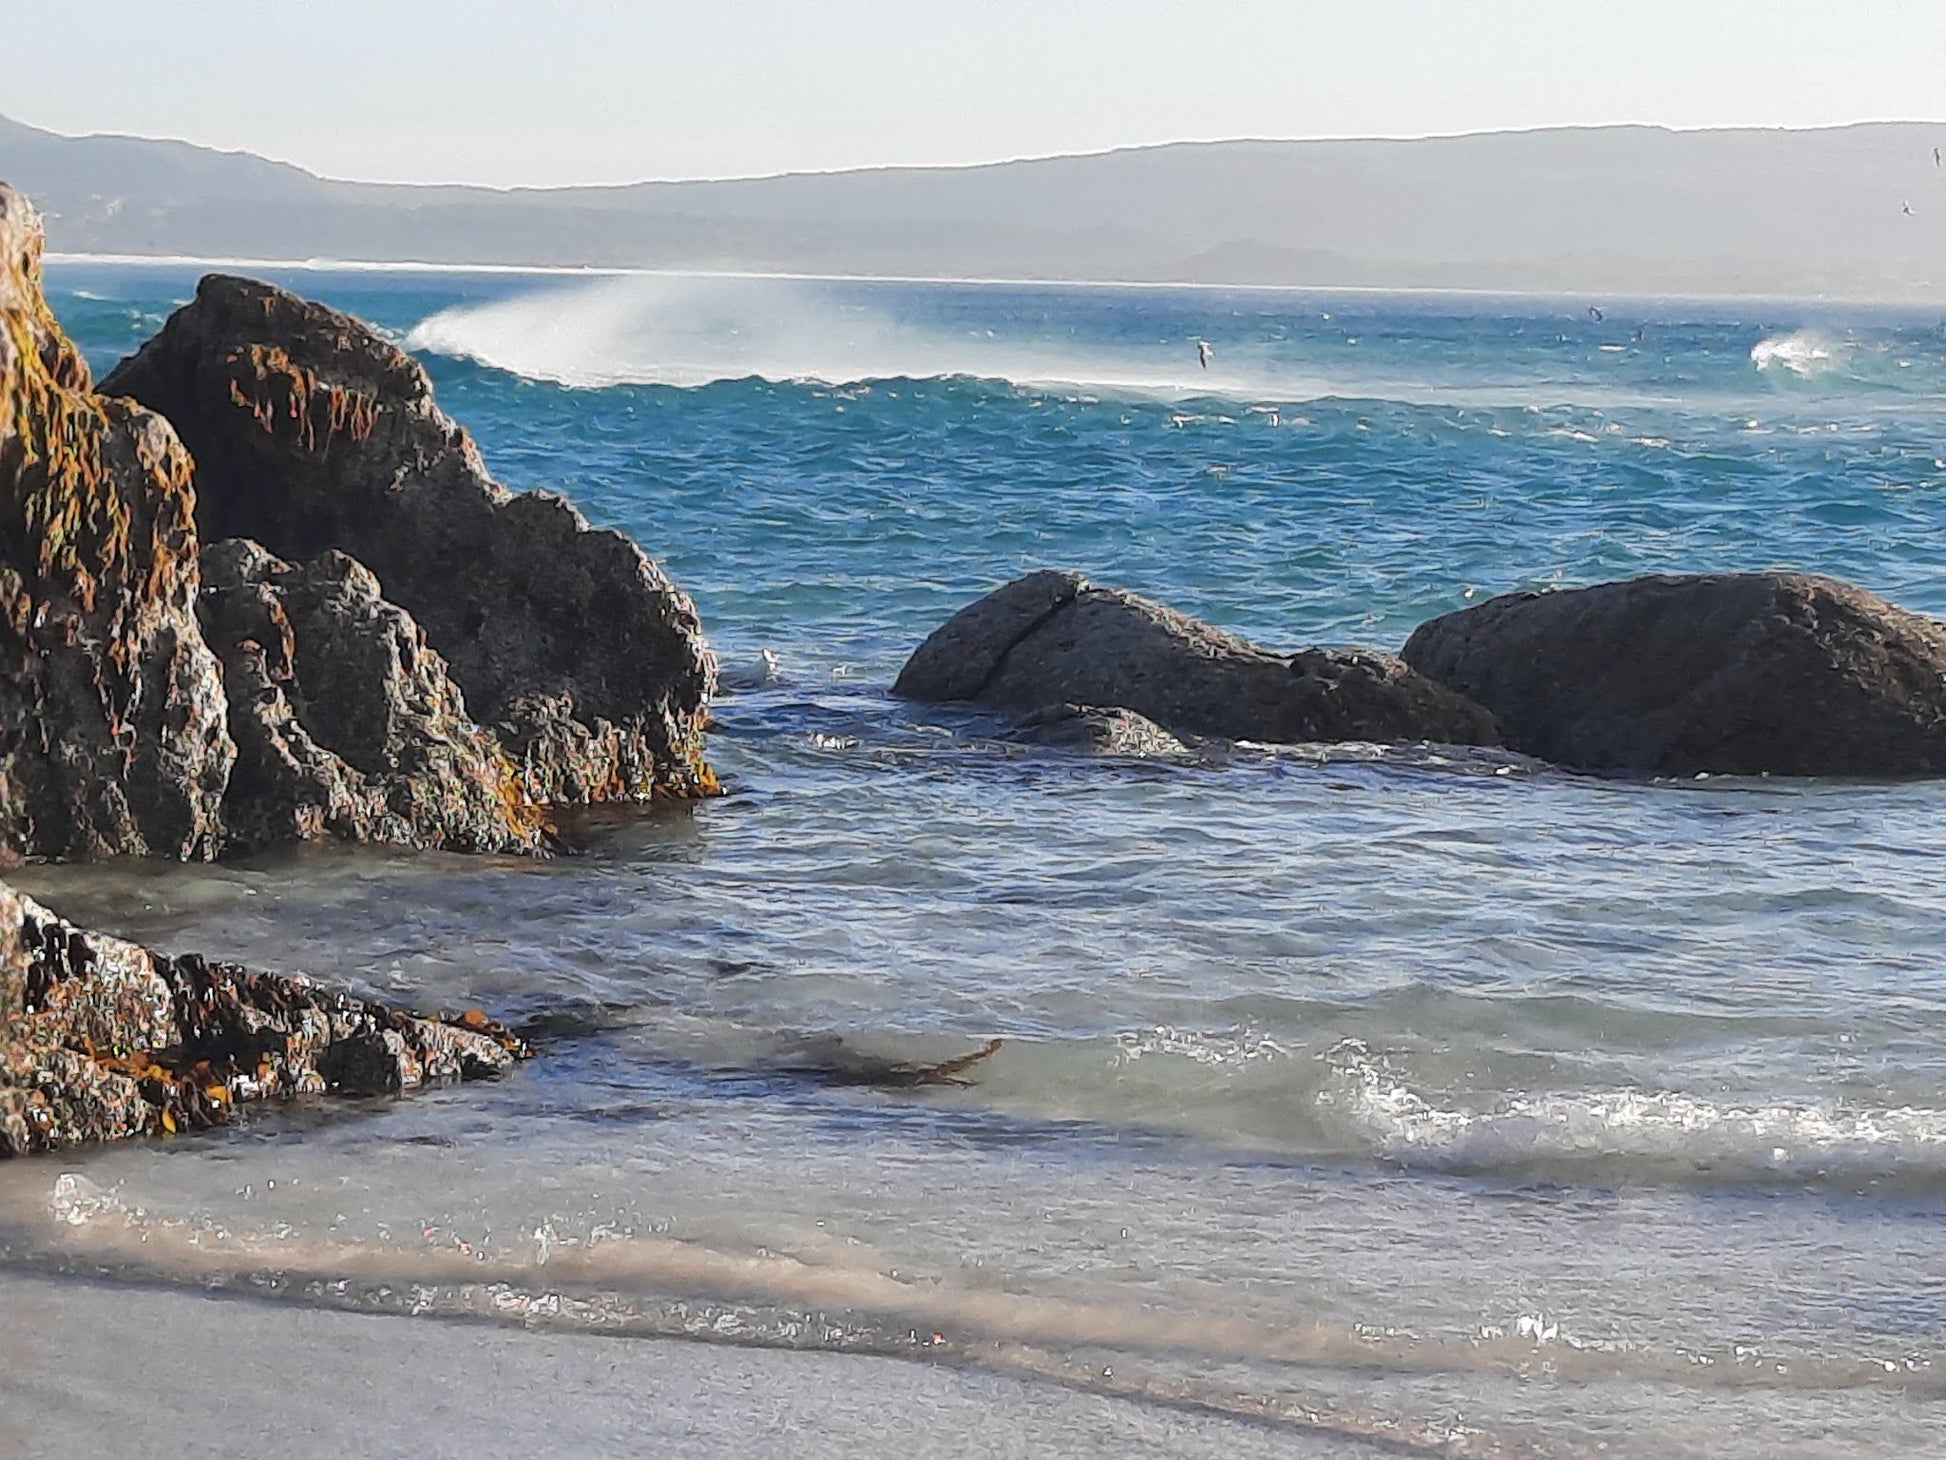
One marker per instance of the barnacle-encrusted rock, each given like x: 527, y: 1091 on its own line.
x: 345, y: 720
x: 112, y: 725
x: 1053, y: 638
x: 101, y: 1039
x: 311, y: 433
x: 1742, y: 673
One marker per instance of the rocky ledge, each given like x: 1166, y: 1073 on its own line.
x: 1741, y: 674
x: 101, y: 1040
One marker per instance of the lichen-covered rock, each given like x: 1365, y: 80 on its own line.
x: 1054, y: 638
x: 1734, y: 673
x: 112, y: 724
x: 345, y: 720
x: 311, y: 433
x: 101, y: 1039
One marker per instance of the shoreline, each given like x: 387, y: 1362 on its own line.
x: 109, y: 1359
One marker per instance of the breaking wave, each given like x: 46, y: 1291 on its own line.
x: 1648, y: 1132
x: 696, y: 330
x: 1801, y: 352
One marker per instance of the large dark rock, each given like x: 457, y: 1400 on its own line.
x: 101, y: 1039
x: 1744, y: 673
x: 313, y: 434
x: 345, y: 720
x: 1052, y: 638
x: 112, y: 725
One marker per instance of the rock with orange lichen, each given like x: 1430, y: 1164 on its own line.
x: 345, y: 719
x: 313, y: 434
x: 101, y: 1039
x: 113, y: 733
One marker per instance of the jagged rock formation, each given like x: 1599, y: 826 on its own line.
x: 1739, y: 673
x: 112, y: 724
x: 311, y: 433
x: 101, y: 1039
x: 1053, y: 638
x: 345, y: 720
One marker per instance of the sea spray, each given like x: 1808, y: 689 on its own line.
x: 694, y: 330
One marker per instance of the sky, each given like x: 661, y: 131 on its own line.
x: 543, y: 92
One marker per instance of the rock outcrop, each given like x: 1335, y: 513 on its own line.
x: 1052, y: 638
x: 112, y: 719
x: 101, y: 1039
x: 345, y: 720
x: 312, y: 434
x: 1746, y: 673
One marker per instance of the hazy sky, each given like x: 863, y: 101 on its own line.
x: 560, y: 91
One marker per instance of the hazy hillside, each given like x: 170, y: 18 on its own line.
x: 1605, y: 210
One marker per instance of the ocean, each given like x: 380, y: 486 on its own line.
x: 1350, y: 1100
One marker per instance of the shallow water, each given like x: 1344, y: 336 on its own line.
x: 1429, y: 1097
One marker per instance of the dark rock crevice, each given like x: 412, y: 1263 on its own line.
x: 345, y: 720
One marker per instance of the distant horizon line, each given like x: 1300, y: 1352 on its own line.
x: 855, y: 169
x: 623, y: 271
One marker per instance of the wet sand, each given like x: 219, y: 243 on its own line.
x: 108, y: 1370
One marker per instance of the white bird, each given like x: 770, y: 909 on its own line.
x: 1203, y: 353
x: 1906, y: 208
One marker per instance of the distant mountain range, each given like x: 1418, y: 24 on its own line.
x: 1595, y: 211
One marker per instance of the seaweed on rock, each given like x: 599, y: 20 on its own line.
x: 112, y: 720
x: 102, y: 1040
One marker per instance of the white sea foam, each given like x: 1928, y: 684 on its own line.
x: 1663, y: 1128
x: 1802, y: 352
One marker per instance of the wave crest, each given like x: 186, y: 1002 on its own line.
x: 1801, y: 352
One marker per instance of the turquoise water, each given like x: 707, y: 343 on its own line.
x: 1522, y: 1111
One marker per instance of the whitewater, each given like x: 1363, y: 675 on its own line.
x: 1350, y: 1101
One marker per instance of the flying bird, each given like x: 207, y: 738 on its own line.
x: 1203, y: 353
x: 1907, y: 209
x: 1935, y: 157
x: 1594, y: 314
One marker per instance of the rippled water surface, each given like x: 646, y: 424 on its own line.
x: 1424, y: 1097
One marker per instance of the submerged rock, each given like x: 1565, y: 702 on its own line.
x: 1740, y: 673
x: 1089, y: 727
x: 345, y: 720
x: 1053, y: 638
x: 101, y: 1039
x: 112, y: 722
x: 313, y: 434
